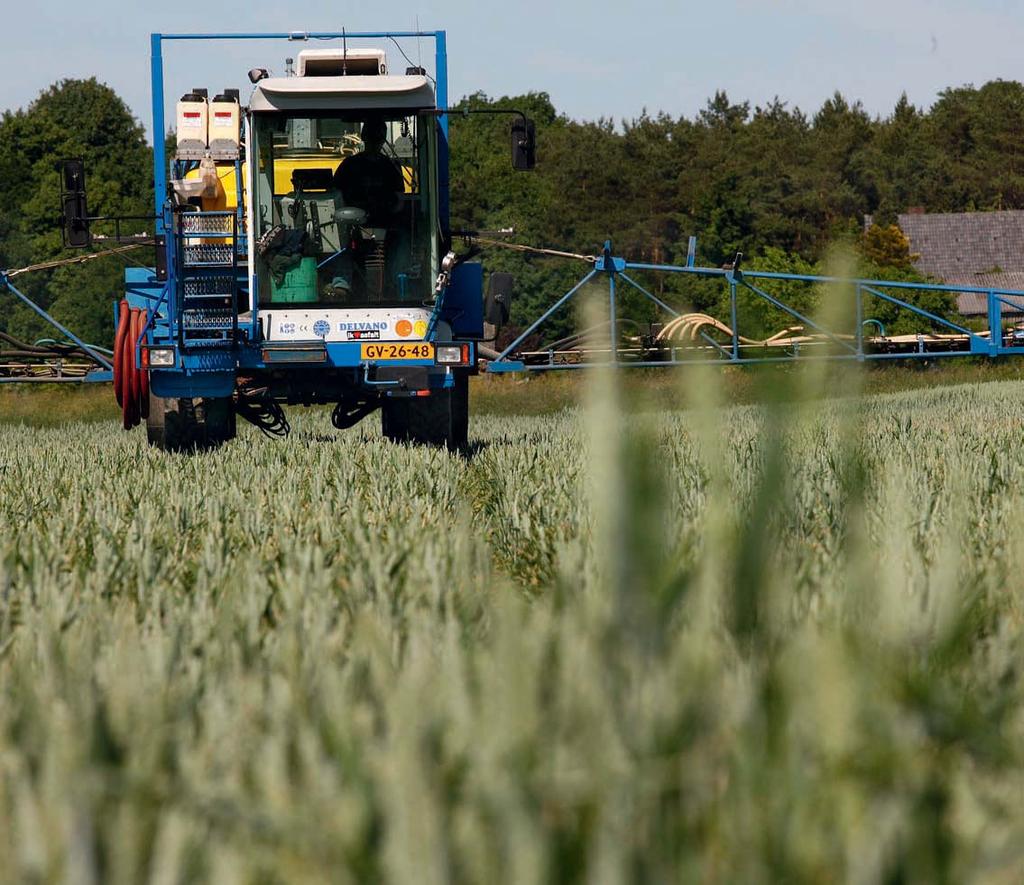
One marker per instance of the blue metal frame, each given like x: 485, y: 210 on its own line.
x: 615, y: 269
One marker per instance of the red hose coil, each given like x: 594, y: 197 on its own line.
x: 136, y: 329
x: 127, y: 371
x: 123, y: 316
x: 144, y: 371
x: 131, y: 383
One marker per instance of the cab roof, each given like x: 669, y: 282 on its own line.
x: 342, y: 93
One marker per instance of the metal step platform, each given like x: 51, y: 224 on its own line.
x: 213, y: 279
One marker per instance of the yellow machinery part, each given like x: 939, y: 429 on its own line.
x: 226, y: 198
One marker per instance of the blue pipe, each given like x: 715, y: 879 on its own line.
x: 613, y: 328
x: 809, y: 278
x: 441, y: 87
x: 369, y: 383
x: 329, y: 260
x: 725, y: 353
x: 518, y: 366
x: 653, y: 298
x: 159, y: 131
x: 548, y: 313
x: 734, y: 318
x: 303, y: 36
x: 796, y: 314
x: 878, y: 324
x: 918, y: 310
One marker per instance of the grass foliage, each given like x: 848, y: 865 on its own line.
x: 748, y: 643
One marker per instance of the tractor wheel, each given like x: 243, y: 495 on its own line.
x: 394, y: 418
x: 182, y: 425
x: 218, y: 414
x: 460, y: 412
x: 441, y: 419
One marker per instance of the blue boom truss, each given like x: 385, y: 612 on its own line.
x: 699, y: 338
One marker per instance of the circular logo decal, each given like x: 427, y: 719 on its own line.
x: 321, y: 328
x: 421, y: 328
x: 403, y: 328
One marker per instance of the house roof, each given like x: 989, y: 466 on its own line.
x: 972, y: 249
x: 967, y: 243
x: 971, y: 304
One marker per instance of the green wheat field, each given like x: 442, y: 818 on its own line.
x: 724, y: 643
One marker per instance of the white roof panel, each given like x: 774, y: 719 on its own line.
x: 331, y: 93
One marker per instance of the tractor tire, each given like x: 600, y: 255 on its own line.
x: 441, y: 419
x: 394, y: 419
x: 188, y: 425
x: 460, y: 412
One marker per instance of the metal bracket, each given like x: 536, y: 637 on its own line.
x: 369, y: 383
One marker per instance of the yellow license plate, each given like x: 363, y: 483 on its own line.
x: 417, y: 350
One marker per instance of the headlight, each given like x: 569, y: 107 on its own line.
x: 161, y: 358
x: 450, y: 354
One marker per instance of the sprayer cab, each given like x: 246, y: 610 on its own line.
x: 345, y: 206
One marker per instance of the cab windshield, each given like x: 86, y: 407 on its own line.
x: 344, y: 209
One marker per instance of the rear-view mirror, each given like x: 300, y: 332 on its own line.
x: 74, y: 211
x: 524, y: 144
x: 498, y: 301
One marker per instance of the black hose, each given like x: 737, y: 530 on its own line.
x: 39, y: 350
x: 264, y: 414
x: 30, y: 355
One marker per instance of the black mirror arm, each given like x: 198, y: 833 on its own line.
x: 117, y: 220
x: 524, y: 141
x: 465, y: 112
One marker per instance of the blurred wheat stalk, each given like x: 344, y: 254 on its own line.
x: 747, y: 644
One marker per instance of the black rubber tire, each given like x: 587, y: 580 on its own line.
x: 460, y: 412
x: 394, y: 418
x: 441, y: 419
x: 220, y: 419
x: 188, y: 425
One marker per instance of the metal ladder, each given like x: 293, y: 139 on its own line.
x: 209, y: 286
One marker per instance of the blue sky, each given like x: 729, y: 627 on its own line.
x: 653, y: 54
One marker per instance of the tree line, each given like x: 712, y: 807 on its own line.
x: 782, y: 186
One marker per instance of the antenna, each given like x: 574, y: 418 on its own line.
x: 344, y: 56
x: 419, y: 45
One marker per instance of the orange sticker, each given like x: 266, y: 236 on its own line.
x: 403, y: 328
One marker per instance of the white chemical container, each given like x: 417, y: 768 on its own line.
x: 193, y: 125
x: 225, y: 126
